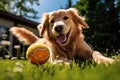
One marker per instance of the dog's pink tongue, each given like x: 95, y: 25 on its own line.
x: 61, y: 39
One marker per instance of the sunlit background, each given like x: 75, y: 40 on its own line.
x: 50, y: 5
x: 102, y: 16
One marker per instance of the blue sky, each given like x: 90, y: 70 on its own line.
x: 50, y: 5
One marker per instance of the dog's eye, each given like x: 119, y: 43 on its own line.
x: 65, y: 17
x: 52, y: 21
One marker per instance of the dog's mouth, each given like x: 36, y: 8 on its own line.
x: 63, y: 38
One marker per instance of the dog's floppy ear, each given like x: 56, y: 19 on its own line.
x: 44, y: 24
x: 78, y: 19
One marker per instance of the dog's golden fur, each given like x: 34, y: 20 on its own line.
x: 62, y: 32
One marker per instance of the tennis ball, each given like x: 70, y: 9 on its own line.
x: 38, y: 53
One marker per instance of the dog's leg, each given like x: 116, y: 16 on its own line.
x: 24, y: 35
x: 100, y: 59
x: 87, y: 53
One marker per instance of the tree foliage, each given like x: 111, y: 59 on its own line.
x: 22, y: 8
x: 103, y: 17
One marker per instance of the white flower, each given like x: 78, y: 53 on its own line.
x: 17, y: 69
x: 4, y: 43
x: 17, y: 46
x: 19, y: 64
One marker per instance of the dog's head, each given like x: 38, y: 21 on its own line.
x: 61, y: 25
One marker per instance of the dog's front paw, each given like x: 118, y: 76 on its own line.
x: 105, y: 60
x: 100, y: 59
x: 58, y: 62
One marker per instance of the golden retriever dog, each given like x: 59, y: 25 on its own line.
x: 62, y: 33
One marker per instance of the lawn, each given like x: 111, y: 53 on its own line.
x: 24, y: 70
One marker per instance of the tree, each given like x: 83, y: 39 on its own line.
x: 103, y: 17
x: 69, y: 4
x: 22, y: 8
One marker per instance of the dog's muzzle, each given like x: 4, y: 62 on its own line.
x: 61, y: 32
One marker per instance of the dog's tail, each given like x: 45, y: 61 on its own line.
x: 100, y: 59
x: 24, y: 35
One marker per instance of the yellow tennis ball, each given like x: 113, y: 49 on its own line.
x: 38, y: 53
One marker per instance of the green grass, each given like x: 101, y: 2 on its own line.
x: 23, y: 70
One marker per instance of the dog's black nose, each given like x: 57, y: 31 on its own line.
x: 59, y: 28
